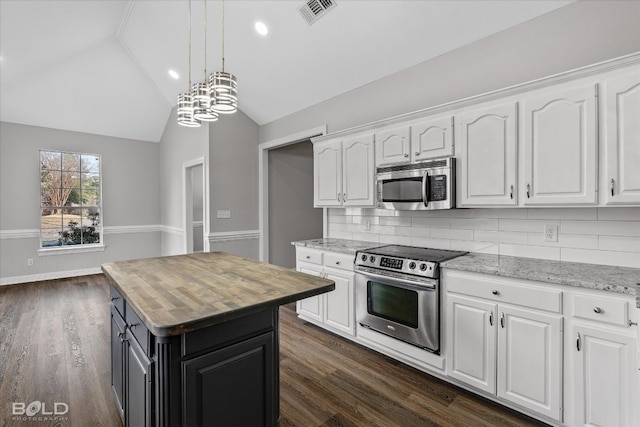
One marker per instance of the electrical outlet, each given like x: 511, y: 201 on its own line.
x: 367, y: 224
x: 30, y: 262
x: 224, y: 214
x: 550, y: 233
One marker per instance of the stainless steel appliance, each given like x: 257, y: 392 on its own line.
x: 398, y: 292
x: 420, y: 186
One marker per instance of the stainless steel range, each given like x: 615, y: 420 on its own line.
x: 398, y: 292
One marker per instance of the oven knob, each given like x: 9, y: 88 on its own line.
x: 372, y: 258
x: 423, y: 267
x: 364, y: 258
x: 412, y: 265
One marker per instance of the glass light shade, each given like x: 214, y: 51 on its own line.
x: 225, y: 87
x: 185, y: 111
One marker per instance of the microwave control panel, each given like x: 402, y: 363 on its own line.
x: 437, y: 188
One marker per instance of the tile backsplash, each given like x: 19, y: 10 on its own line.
x: 608, y: 235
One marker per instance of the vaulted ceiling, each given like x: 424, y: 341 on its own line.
x: 103, y: 66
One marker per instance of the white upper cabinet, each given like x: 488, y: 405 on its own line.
x: 560, y: 147
x: 327, y: 174
x: 622, y: 139
x: 344, y: 172
x: 432, y: 138
x: 393, y: 146
x: 487, y: 156
x: 358, y: 171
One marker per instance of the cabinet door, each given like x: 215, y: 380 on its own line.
x: 118, y: 351
x: 358, y: 171
x: 139, y: 381
x: 622, y: 133
x: 604, y: 388
x: 339, y: 303
x: 488, y: 156
x: 311, y: 307
x: 393, y: 146
x: 234, y: 386
x: 471, y: 342
x: 530, y: 359
x: 432, y: 138
x: 560, y: 147
x: 327, y: 174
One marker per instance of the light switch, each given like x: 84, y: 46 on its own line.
x: 224, y: 214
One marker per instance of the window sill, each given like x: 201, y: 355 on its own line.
x: 76, y: 249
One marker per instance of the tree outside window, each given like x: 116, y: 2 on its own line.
x: 70, y: 193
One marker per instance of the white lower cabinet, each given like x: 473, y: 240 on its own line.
x: 512, y: 352
x: 498, y: 346
x: 334, y: 310
x: 604, y: 394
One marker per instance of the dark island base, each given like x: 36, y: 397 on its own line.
x: 223, y: 375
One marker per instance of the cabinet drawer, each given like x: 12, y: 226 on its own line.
x: 504, y: 291
x: 138, y: 329
x: 309, y: 255
x: 117, y: 300
x: 601, y: 308
x: 341, y: 261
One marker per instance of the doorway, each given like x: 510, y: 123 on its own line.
x: 195, y: 223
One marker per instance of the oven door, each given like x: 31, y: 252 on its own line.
x: 403, y: 307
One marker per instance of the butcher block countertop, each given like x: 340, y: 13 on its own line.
x: 177, y: 294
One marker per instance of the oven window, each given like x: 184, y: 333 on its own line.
x: 402, y: 190
x: 392, y: 303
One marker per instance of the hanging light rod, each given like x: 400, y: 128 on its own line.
x: 217, y: 94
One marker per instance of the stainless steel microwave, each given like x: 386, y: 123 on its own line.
x: 427, y: 185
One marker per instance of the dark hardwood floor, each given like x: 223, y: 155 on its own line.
x: 54, y: 347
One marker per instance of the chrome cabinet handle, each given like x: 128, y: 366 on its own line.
x: 597, y: 310
x: 406, y: 154
x: 417, y: 153
x: 613, y: 183
x: 495, y: 292
x: 491, y: 318
x: 578, y: 341
x: 502, y: 320
x: 528, y: 191
x: 308, y: 256
x: 511, y: 192
x: 338, y: 196
x: 344, y: 197
x: 114, y: 298
x: 337, y: 262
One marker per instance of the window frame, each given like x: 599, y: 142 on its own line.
x: 78, y: 248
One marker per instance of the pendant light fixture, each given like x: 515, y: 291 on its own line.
x: 202, y: 94
x: 223, y: 85
x: 185, y: 110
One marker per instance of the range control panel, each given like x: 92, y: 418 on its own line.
x: 401, y: 265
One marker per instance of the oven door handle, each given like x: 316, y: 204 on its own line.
x: 402, y: 282
x: 425, y: 189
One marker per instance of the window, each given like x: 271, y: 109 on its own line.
x: 70, y: 199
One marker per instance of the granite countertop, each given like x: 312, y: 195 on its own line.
x: 590, y: 276
x: 177, y: 294
x: 337, y: 245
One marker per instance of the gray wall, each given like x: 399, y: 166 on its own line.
x: 291, y: 212
x: 177, y: 146
x: 579, y: 34
x: 130, y: 199
x: 233, y: 172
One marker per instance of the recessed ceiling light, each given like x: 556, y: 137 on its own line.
x: 261, y: 28
x: 174, y: 74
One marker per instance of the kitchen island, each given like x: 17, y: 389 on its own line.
x: 194, y: 338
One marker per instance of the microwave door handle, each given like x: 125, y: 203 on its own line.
x: 425, y: 189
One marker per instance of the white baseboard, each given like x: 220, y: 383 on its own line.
x: 48, y: 276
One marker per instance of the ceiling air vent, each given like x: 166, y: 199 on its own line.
x: 315, y: 9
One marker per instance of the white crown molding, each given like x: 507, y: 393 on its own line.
x: 567, y: 76
x: 48, y: 276
x: 228, y: 236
